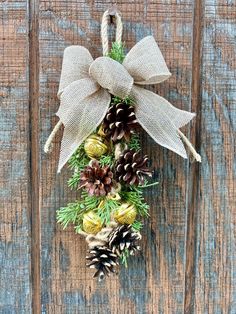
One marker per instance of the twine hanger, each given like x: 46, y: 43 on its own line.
x: 104, y: 28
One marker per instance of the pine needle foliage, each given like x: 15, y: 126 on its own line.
x: 135, y: 142
x: 72, y: 213
x: 135, y: 196
x: 74, y: 180
x: 78, y: 161
x: 106, y: 160
x: 124, y: 257
x: 105, y: 210
x: 90, y: 202
x: 127, y: 100
x: 137, y: 225
x: 117, y: 52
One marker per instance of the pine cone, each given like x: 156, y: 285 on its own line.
x: 131, y: 168
x: 120, y: 121
x: 96, y: 180
x: 103, y: 259
x: 124, y: 237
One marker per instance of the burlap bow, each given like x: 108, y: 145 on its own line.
x: 85, y: 92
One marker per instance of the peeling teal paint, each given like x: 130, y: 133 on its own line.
x: 133, y: 283
x: 15, y: 293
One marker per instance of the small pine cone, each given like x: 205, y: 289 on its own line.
x: 96, y: 180
x: 131, y: 168
x: 124, y: 237
x: 120, y: 121
x: 103, y: 260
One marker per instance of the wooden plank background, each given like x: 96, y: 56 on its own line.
x: 188, y: 259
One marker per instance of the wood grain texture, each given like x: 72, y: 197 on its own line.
x: 215, y: 250
x: 188, y: 249
x: 194, y: 171
x: 15, y: 228
x: 34, y: 154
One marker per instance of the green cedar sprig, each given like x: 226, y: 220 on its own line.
x: 134, y: 195
x: 137, y: 225
x: 117, y: 52
x: 106, y: 209
x: 127, y: 100
x: 124, y: 257
x: 106, y: 160
x: 134, y: 142
x: 72, y: 213
x: 78, y: 161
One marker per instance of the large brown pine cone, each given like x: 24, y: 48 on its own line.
x: 124, y: 237
x: 131, y: 168
x: 120, y: 121
x: 103, y: 260
x: 96, y: 180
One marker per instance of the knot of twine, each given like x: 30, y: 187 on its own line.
x: 101, y: 238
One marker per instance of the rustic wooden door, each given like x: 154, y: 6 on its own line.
x: 188, y: 261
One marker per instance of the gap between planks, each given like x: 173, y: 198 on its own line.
x: 194, y: 173
x: 34, y: 154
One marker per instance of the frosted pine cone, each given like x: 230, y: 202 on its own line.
x: 103, y: 260
x: 122, y: 238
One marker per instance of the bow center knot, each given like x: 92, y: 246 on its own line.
x: 112, y: 76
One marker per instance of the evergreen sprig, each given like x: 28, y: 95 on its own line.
x: 117, y: 52
x: 78, y: 161
x: 124, y: 257
x: 106, y: 160
x: 127, y: 100
x: 135, y: 196
x: 134, y: 142
x: 105, y: 210
x: 91, y: 202
x: 137, y: 225
x: 79, y: 158
x: 72, y: 213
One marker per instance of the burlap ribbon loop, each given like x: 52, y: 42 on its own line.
x: 85, y: 92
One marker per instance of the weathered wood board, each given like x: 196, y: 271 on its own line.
x: 15, y: 200
x: 215, y: 225
x: 188, y: 257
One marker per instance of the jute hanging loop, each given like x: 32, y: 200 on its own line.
x: 104, y: 30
